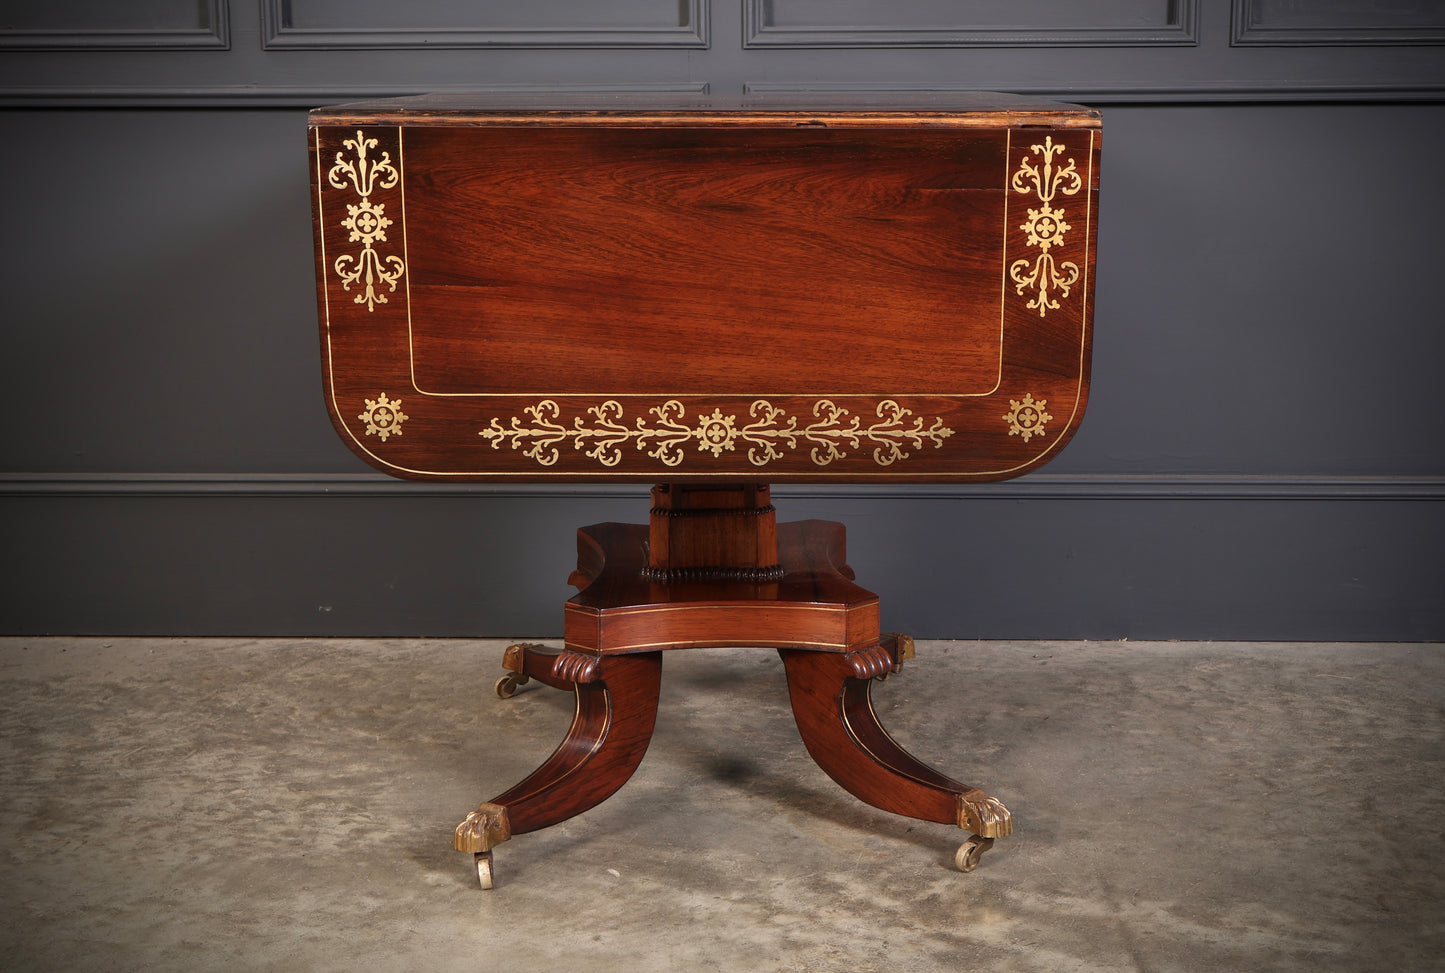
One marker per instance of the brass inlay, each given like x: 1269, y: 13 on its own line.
x: 412, y: 330
x: 665, y: 438
x: 429, y: 470
x: 366, y: 220
x: 1045, y: 227
x: 383, y: 417
x: 1027, y: 418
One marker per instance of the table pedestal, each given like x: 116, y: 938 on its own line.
x: 714, y: 568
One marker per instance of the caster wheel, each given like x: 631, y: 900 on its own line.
x: 507, y: 685
x: 970, y: 852
x: 484, y: 868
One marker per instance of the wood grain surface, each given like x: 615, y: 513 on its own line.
x: 781, y: 295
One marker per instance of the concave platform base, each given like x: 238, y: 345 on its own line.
x: 712, y: 568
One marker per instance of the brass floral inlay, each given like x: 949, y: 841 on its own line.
x: 367, y: 221
x: 1045, y: 227
x: 668, y: 432
x: 383, y: 417
x: 1027, y: 418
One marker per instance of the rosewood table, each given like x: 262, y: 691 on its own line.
x: 710, y: 296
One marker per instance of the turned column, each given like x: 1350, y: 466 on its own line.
x: 712, y: 532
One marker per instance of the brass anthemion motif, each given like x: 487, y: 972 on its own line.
x: 1027, y: 418
x: 366, y: 220
x: 1045, y: 227
x: 768, y: 436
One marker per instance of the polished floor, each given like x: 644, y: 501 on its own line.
x: 198, y: 804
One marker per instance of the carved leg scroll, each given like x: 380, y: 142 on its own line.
x: 527, y: 661
x: 830, y: 693
x: 616, y: 712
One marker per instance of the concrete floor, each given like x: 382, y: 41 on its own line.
x: 288, y: 804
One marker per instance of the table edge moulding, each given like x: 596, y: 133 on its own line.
x: 710, y: 295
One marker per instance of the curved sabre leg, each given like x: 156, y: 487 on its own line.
x: 616, y: 713
x: 830, y: 693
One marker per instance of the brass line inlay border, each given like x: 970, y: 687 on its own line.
x: 718, y: 643
x: 761, y: 604
x: 411, y: 331
x: 598, y: 616
x: 725, y: 475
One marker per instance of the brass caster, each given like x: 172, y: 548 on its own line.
x: 507, y: 685
x: 970, y: 852
x: 484, y: 868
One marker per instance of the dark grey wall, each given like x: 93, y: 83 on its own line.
x: 1264, y: 454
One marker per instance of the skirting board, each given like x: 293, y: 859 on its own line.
x: 1050, y: 556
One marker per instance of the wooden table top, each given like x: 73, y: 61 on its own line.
x: 637, y: 287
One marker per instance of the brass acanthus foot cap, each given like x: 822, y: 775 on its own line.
x: 902, y: 646
x: 983, y: 815
x: 484, y: 829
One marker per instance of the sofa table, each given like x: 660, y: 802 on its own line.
x: 711, y: 295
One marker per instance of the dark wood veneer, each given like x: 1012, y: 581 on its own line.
x: 854, y: 271
x: 709, y: 296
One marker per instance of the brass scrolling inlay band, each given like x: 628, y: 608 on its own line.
x: 769, y: 435
x: 1045, y: 227
x: 1027, y: 419
x: 366, y: 220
